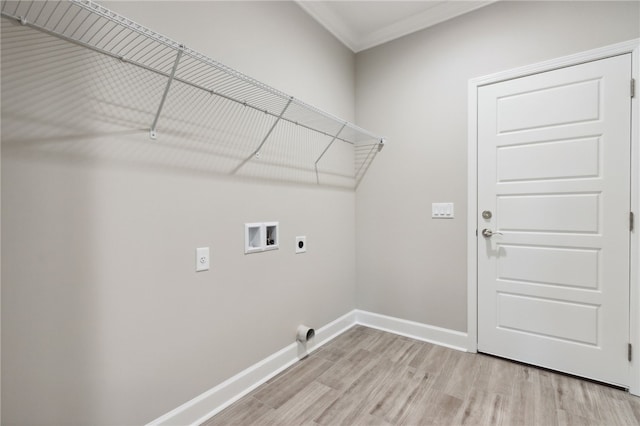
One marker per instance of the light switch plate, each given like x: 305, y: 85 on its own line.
x: 442, y: 210
x: 202, y: 259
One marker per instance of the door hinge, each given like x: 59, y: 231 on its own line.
x: 629, y: 352
x: 631, y: 220
x: 633, y: 87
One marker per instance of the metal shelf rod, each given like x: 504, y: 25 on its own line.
x: 256, y: 153
x: 315, y: 165
x: 152, y: 132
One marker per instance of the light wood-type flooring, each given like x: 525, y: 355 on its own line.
x: 369, y: 377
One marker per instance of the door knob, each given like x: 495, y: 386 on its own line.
x: 487, y: 233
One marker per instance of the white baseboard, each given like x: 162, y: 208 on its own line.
x: 415, y: 330
x: 214, y: 400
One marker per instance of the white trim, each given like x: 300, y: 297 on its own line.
x: 565, y: 61
x: 472, y: 221
x: 329, y: 17
x: 415, y: 330
x: 633, y: 47
x: 436, y: 14
x: 634, y: 297
x: 216, y: 399
x: 211, y: 402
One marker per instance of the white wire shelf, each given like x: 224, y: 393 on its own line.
x: 95, y: 27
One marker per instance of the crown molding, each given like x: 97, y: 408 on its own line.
x: 441, y: 11
x: 331, y: 21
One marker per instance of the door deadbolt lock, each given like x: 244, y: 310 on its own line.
x: 486, y: 214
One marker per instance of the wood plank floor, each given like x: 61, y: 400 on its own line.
x: 369, y: 377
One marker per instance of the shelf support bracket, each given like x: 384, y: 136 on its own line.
x: 152, y: 132
x: 375, y: 149
x: 327, y: 149
x: 256, y: 153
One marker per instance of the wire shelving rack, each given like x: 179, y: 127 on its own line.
x: 90, y: 25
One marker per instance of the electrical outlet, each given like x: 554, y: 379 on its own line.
x: 202, y: 259
x: 301, y: 244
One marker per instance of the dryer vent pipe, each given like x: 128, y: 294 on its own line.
x: 305, y: 333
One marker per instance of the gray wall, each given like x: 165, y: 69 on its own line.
x: 414, y: 90
x: 104, y: 319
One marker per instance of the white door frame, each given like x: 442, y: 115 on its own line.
x: 633, y: 47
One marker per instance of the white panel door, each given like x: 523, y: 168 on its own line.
x: 554, y: 171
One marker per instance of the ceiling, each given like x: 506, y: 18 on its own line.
x: 362, y: 24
